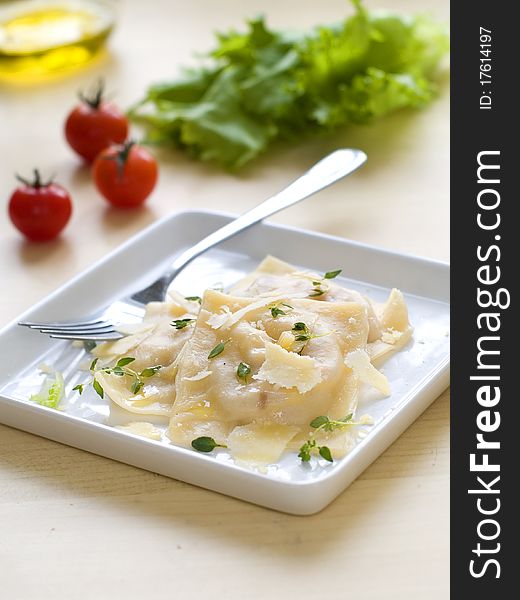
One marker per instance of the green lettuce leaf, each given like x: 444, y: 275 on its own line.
x: 264, y: 85
x: 51, y: 392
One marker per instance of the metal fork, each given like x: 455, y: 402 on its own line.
x: 102, y: 326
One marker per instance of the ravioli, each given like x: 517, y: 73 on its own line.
x: 252, y: 368
x: 156, y: 397
x: 284, y: 387
x: 389, y: 328
x: 155, y: 342
x: 276, y: 276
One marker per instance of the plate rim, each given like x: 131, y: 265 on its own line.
x: 195, y: 212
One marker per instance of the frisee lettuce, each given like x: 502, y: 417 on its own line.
x: 52, y: 391
x: 264, y: 85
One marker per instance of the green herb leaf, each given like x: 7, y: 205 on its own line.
x: 305, y: 450
x: 304, y: 453
x: 122, y: 362
x: 206, y: 444
x: 319, y: 421
x: 97, y: 386
x: 303, y: 338
x: 194, y: 299
x: 325, y: 453
x: 327, y: 424
x: 78, y: 388
x: 276, y: 311
x: 150, y: 371
x: 121, y: 369
x: 316, y: 291
x: 243, y: 370
x: 93, y: 364
x: 301, y: 334
x: 89, y: 345
x: 137, y: 385
x: 218, y: 349
x: 332, y: 274
x: 322, y: 423
x: 181, y: 323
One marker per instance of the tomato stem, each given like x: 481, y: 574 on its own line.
x: 94, y: 100
x: 122, y: 156
x: 125, y: 150
x: 37, y: 182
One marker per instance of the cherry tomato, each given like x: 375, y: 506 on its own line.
x: 40, y: 210
x: 95, y: 124
x: 125, y: 174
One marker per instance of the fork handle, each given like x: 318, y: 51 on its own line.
x: 328, y: 170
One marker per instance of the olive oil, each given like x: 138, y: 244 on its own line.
x: 42, y: 37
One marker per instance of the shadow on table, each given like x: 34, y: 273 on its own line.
x: 74, y: 477
x: 32, y: 253
x: 379, y: 140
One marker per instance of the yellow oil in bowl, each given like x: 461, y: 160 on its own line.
x: 44, y: 37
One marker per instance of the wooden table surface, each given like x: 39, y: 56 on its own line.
x: 74, y: 525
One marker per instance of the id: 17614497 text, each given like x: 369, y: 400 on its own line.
x: 485, y: 68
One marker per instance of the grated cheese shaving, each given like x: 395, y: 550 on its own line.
x: 200, y: 375
x: 235, y: 317
x: 359, y: 361
x: 288, y: 369
x: 217, y: 320
x: 391, y: 336
x: 260, y: 443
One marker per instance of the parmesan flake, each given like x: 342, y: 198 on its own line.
x: 235, y: 317
x: 200, y: 375
x: 391, y: 336
x: 217, y: 320
x: 288, y: 369
x: 359, y: 361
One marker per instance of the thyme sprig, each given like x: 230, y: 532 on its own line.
x: 119, y: 370
x: 301, y: 332
x: 317, y: 290
x: 322, y: 423
x: 319, y: 285
x: 310, y: 445
x: 276, y: 311
x: 181, y: 323
x: 303, y: 335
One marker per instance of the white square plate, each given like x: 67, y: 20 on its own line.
x: 417, y: 374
